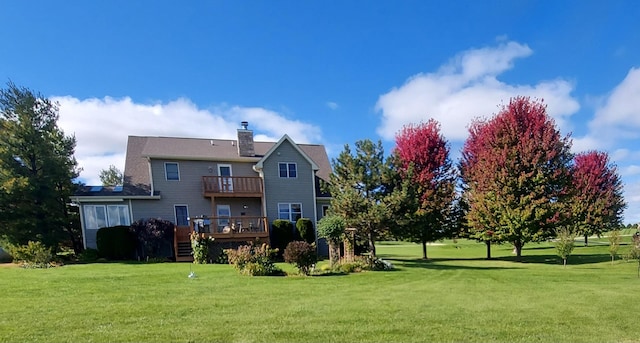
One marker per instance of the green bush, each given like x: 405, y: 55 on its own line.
x: 302, y: 255
x: 305, y: 230
x: 34, y: 254
x: 88, y: 256
x: 253, y: 260
x: 116, y: 243
x: 281, y: 235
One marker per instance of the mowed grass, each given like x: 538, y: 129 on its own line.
x: 456, y: 296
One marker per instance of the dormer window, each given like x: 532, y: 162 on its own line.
x: 289, y: 170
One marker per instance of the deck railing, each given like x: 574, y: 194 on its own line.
x: 230, y: 225
x: 231, y: 185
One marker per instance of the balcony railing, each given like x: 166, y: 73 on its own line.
x: 232, y: 186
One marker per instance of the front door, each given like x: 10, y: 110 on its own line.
x: 224, y: 212
x: 226, y: 183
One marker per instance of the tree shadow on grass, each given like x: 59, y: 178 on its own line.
x: 434, y: 263
x: 577, y: 259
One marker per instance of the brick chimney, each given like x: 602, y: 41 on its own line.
x: 245, y: 141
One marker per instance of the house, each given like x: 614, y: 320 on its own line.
x: 229, y: 189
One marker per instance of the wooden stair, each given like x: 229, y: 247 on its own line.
x: 183, y: 253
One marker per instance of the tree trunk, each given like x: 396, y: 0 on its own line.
x: 424, y: 250
x: 372, y: 245
x: 518, y: 245
x: 334, y: 253
x: 586, y: 240
x: 488, y: 243
x: 564, y: 261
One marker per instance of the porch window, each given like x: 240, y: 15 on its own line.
x: 290, y: 211
x: 172, y: 171
x: 289, y: 170
x: 99, y: 216
x: 118, y: 215
x: 182, y: 215
x: 95, y: 217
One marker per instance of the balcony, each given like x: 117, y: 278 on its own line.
x: 232, y: 186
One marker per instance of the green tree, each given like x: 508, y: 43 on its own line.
x: 515, y: 169
x: 331, y: 228
x: 358, y: 190
x: 614, y: 243
x: 111, y: 176
x: 37, y: 169
x: 564, y: 244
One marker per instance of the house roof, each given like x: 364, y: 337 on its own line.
x: 140, y: 149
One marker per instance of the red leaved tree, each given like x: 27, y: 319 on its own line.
x: 597, y: 203
x: 515, y: 169
x: 422, y: 160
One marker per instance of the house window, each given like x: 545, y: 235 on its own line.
x: 118, y: 215
x: 290, y: 211
x: 182, y: 215
x: 325, y: 209
x: 288, y: 169
x: 99, y: 216
x: 171, y: 171
x: 95, y: 217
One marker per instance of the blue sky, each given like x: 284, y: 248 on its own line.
x: 329, y: 72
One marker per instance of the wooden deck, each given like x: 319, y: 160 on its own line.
x: 222, y: 229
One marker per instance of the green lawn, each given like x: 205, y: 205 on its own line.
x: 457, y: 296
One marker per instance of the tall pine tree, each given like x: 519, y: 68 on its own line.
x: 37, y: 169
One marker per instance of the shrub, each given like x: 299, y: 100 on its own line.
x: 281, y: 235
x: 362, y: 263
x: 154, y: 237
x: 302, y: 255
x: 88, y: 255
x: 200, y: 245
x: 304, y: 226
x: 34, y: 254
x: 253, y: 260
x: 116, y: 243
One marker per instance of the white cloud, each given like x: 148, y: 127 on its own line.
x: 618, y: 116
x: 101, y: 126
x: 465, y: 88
x: 332, y: 105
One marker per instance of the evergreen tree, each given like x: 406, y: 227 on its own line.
x: 37, y: 169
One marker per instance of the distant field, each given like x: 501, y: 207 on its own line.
x: 456, y: 296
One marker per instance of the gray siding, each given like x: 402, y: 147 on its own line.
x: 288, y: 190
x: 188, y: 191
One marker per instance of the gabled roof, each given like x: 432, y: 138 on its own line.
x: 140, y: 149
x: 284, y: 138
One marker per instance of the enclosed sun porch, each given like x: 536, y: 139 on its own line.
x: 237, y: 214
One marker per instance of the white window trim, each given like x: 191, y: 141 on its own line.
x: 166, y: 177
x: 175, y: 214
x: 290, y: 211
x: 288, y: 176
